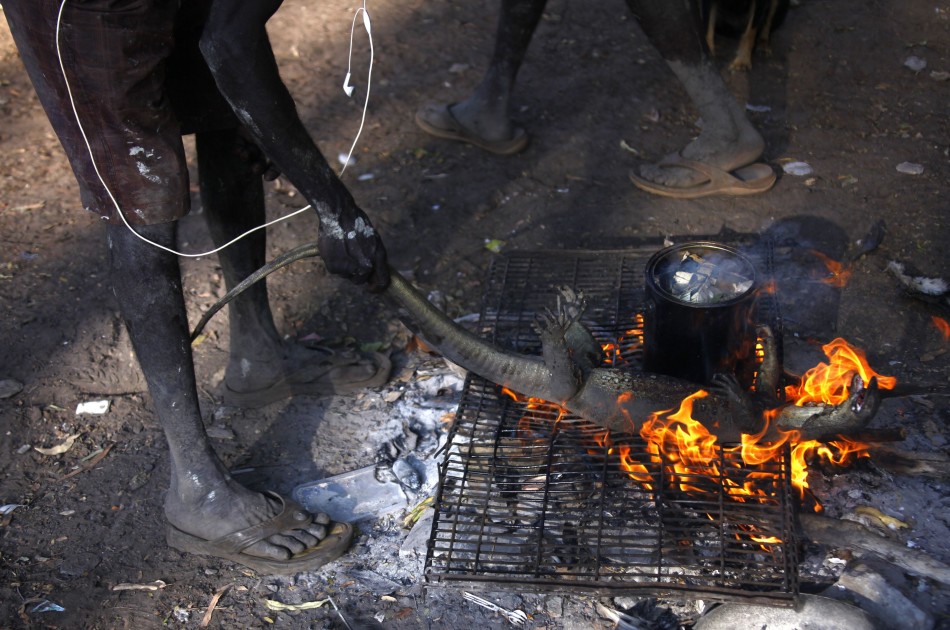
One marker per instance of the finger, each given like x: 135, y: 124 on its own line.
x: 380, y: 279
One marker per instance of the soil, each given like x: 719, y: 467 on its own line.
x: 834, y: 93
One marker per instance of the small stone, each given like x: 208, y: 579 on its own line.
x: 915, y: 63
x: 10, y: 387
x: 182, y: 615
x: 220, y: 432
x: 910, y: 168
x: 414, y: 546
x: 875, y: 593
x: 812, y: 612
x: 799, y: 169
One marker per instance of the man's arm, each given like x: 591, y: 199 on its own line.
x: 238, y: 52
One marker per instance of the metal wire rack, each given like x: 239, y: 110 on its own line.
x: 533, y: 499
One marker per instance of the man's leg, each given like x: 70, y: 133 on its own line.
x: 232, y: 196
x: 261, y: 369
x: 728, y: 140
x: 484, y: 114
x: 203, y: 500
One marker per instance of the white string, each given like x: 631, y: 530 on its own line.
x: 115, y: 203
x: 347, y: 88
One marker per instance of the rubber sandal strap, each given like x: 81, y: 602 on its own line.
x: 292, y: 516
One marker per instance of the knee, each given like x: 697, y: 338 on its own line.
x: 129, y: 252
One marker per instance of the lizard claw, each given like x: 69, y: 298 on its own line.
x: 571, y: 303
x: 727, y: 386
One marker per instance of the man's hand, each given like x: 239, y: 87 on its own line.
x: 351, y: 248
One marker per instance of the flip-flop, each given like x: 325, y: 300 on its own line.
x: 747, y: 180
x: 292, y: 517
x: 336, y: 372
x: 437, y: 120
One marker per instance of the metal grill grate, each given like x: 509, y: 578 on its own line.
x: 532, y: 501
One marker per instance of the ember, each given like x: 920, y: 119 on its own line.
x: 942, y: 325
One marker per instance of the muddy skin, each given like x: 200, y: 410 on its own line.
x: 485, y: 112
x: 727, y: 141
x: 237, y: 50
x: 202, y: 498
x: 227, y: 182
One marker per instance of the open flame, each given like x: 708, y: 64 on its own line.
x: 942, y: 325
x: 614, y: 351
x: 827, y: 383
x: 838, y: 273
x: 690, y: 454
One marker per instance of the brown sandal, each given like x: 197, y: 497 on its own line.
x: 746, y: 180
x: 292, y: 516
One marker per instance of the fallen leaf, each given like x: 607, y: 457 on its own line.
x: 847, y: 180
x: 373, y: 346
x: 910, y: 168
x: 627, y: 147
x: 151, y: 586
x: 275, y: 605
x: 92, y: 463
x: 494, y: 245
x: 888, y: 521
x: 206, y: 619
x: 59, y: 449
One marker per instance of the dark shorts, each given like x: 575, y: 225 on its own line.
x: 138, y: 82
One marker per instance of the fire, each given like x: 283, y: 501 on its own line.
x: 942, y: 325
x: 840, y: 453
x: 828, y: 383
x: 690, y: 457
x: 838, y: 273
x: 614, y: 351
x: 537, y: 411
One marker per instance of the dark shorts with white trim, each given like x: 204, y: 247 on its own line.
x: 137, y: 82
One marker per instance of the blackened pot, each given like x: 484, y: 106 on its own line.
x: 698, y: 317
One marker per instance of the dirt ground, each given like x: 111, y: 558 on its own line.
x: 835, y: 93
